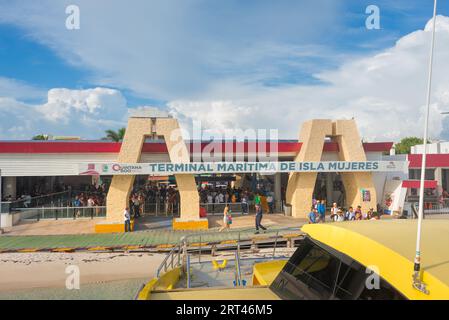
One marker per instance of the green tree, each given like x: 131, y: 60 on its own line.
x: 404, y: 146
x: 116, y: 136
x: 40, y: 137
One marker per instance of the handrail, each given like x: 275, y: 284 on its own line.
x: 39, y: 197
x: 188, y: 270
x: 176, y: 249
x: 238, y: 232
x: 59, y: 208
x: 236, y: 207
x: 182, y: 246
x: 61, y: 212
x: 238, y: 280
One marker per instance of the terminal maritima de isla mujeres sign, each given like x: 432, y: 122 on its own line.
x: 238, y: 167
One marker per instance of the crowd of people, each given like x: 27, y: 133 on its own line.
x: 339, y: 214
x: 211, y: 196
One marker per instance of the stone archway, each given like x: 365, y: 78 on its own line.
x: 301, y: 185
x: 139, y: 128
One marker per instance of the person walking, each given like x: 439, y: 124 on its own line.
x: 259, y: 216
x: 322, y: 210
x: 245, y: 209
x: 227, y: 219
x: 127, y: 218
x: 136, y: 206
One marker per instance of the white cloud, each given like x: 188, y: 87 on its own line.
x: 13, y: 88
x: 384, y: 92
x: 100, y: 103
x: 180, y: 52
x: 170, y: 49
x: 86, y: 113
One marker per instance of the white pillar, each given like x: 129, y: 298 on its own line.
x: 439, y: 176
x: 277, y: 191
x: 9, y: 187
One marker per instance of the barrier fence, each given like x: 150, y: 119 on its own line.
x: 199, y: 245
x: 234, y: 207
x: 160, y: 209
x: 58, y: 199
x: 439, y: 209
x: 61, y: 213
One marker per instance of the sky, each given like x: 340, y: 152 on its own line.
x: 253, y: 64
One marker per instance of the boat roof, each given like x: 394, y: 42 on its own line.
x: 389, y: 245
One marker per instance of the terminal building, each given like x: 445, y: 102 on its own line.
x: 53, y: 165
x: 45, y: 167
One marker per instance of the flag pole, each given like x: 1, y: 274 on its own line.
x: 417, y: 276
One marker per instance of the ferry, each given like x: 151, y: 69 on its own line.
x: 360, y: 260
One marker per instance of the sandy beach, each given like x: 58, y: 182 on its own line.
x: 21, y: 271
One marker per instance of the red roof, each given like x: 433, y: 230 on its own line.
x: 415, y: 184
x: 158, y: 147
x: 432, y: 161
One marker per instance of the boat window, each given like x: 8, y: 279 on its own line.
x: 311, y: 273
x: 351, y: 278
x: 316, y: 271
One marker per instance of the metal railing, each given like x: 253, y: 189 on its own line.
x: 234, y: 207
x: 161, y: 209
x: 238, y: 273
x: 172, y: 260
x: 193, y: 243
x: 61, y: 213
x: 433, y: 209
x: 58, y: 199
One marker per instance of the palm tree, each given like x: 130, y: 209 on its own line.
x: 40, y: 137
x: 115, y: 136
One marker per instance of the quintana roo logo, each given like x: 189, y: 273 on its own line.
x: 116, y: 167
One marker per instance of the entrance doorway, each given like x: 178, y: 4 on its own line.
x: 156, y: 196
x: 329, y: 186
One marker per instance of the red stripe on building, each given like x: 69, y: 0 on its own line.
x: 157, y: 147
x: 59, y: 147
x: 415, y: 184
x: 432, y: 161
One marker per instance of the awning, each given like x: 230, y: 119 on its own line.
x: 414, y: 184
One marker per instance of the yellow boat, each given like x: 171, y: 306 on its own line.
x: 347, y: 260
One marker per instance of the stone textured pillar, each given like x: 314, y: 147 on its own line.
x: 138, y: 129
x: 177, y: 149
x: 300, y: 184
x: 345, y: 132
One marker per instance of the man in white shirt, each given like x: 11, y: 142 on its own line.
x: 210, y: 203
x: 127, y: 218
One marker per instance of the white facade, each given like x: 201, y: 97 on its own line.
x: 432, y: 148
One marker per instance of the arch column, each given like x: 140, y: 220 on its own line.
x: 301, y: 184
x: 121, y: 186
x: 347, y: 135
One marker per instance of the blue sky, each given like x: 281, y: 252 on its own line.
x: 25, y: 59
x: 160, y: 52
